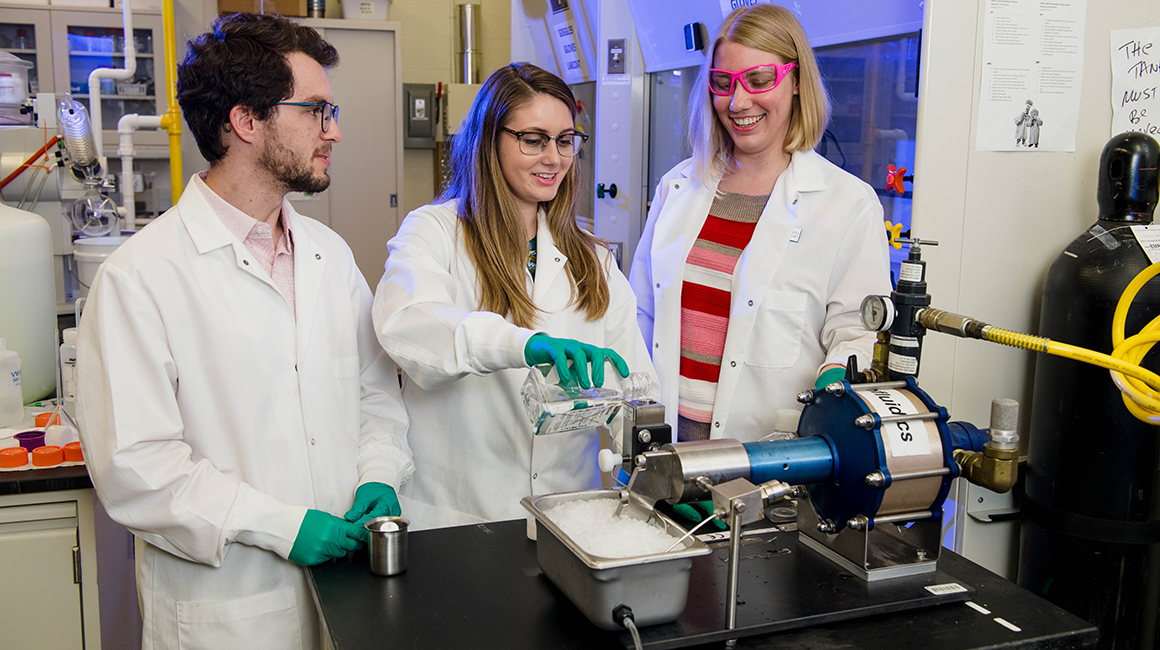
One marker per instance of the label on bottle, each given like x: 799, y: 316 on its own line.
x: 585, y: 418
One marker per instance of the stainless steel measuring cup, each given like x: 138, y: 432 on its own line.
x: 388, y: 545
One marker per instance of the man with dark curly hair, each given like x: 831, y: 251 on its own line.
x: 238, y: 414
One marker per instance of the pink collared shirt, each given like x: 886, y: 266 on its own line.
x: 278, y: 261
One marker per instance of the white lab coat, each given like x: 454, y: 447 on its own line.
x: 475, y: 454
x: 212, y: 420
x: 818, y: 249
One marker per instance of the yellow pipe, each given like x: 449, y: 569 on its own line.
x: 171, y: 121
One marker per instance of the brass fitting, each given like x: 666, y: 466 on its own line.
x: 994, y: 469
x: 879, y: 365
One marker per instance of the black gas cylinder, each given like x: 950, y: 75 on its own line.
x: 1091, y: 535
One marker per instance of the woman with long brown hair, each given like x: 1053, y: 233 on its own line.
x: 491, y: 278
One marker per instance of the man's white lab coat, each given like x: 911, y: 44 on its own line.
x: 212, y: 419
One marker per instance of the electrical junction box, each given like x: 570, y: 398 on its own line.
x: 419, y: 118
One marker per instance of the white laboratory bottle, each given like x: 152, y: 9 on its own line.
x: 556, y: 407
x: 11, y: 398
x: 68, y: 369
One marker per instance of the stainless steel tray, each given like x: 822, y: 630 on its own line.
x: 655, y: 586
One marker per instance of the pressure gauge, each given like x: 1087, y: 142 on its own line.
x: 877, y: 313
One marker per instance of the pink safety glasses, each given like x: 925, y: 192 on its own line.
x: 758, y: 79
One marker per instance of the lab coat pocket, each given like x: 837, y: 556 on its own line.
x: 268, y: 620
x: 777, y: 330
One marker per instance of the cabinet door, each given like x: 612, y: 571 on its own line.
x: 40, y: 604
x: 86, y: 40
x: 26, y: 33
x: 367, y: 166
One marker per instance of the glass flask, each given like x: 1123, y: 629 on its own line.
x: 94, y: 214
x: 557, y: 407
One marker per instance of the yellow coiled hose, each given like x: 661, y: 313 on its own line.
x: 1139, y: 386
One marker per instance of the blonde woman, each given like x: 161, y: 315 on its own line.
x: 757, y: 251
x: 492, y: 277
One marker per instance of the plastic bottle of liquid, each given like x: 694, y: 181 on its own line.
x: 11, y: 398
x: 555, y: 407
x: 68, y: 369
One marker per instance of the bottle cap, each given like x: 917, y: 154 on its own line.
x: 47, y: 456
x: 13, y: 457
x: 70, y: 335
x: 73, y: 453
x: 42, y: 419
x: 3, y: 344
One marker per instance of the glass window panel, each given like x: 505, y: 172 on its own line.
x: 874, y: 116
x: 872, y: 125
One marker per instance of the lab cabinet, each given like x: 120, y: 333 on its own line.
x: 66, y: 44
x: 27, y: 34
x: 49, y: 599
x: 83, y: 41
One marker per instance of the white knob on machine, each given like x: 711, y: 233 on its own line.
x: 608, y: 460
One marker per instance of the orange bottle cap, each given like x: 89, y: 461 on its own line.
x: 42, y: 419
x: 47, y: 456
x: 13, y: 457
x: 73, y: 453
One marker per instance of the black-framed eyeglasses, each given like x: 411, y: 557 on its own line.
x: 326, y: 111
x: 533, y: 143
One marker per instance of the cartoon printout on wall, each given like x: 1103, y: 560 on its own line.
x: 1032, y: 75
x: 1027, y: 126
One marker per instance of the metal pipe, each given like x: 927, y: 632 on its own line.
x: 735, y: 510
x: 878, y: 479
x: 795, y: 461
x: 469, y: 54
x: 861, y: 522
x: 867, y: 421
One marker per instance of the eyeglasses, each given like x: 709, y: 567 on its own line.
x: 325, y: 110
x: 758, y: 79
x: 533, y: 144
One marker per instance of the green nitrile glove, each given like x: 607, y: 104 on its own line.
x: 542, y: 348
x: 695, y: 512
x: 830, y: 376
x: 322, y: 537
x: 372, y: 500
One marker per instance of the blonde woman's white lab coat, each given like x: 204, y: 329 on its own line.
x: 475, y: 454
x: 212, y: 420
x: 818, y: 249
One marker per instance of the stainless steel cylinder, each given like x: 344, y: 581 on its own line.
x: 388, y: 545
x: 717, y: 460
x: 469, y: 52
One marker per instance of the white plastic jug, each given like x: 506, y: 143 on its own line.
x: 11, y: 402
x: 28, y: 298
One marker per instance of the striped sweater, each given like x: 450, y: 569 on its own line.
x: 705, y: 300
